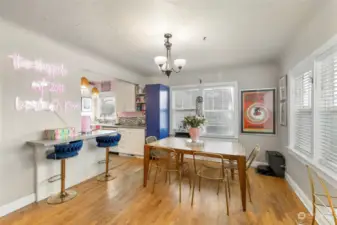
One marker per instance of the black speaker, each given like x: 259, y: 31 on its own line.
x: 276, y: 165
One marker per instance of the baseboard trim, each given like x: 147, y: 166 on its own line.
x: 304, y: 199
x: 17, y: 204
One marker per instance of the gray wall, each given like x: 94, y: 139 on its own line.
x: 248, y: 77
x: 17, y: 127
x: 319, y: 29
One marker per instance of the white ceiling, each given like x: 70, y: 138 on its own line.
x: 130, y: 32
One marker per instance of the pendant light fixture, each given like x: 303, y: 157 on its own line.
x: 84, y: 82
x: 94, y: 91
x: 165, y: 64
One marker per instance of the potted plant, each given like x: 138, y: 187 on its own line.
x: 194, y: 123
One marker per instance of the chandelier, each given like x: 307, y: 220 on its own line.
x: 165, y: 64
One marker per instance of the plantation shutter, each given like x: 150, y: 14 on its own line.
x: 303, y: 118
x: 326, y: 70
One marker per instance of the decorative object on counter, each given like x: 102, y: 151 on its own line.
x: 191, y: 143
x: 84, y: 82
x: 95, y: 91
x: 85, y: 124
x: 86, y: 104
x: 165, y: 64
x: 62, y: 152
x: 194, y: 123
x: 59, y: 133
x: 157, y: 110
x: 258, y: 111
x: 107, y: 142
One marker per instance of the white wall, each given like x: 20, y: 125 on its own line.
x: 17, y: 127
x: 249, y: 77
x: 321, y: 28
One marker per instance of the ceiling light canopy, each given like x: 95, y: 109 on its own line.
x: 165, y: 64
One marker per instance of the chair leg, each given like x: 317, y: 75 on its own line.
x: 149, y: 172
x: 180, y: 173
x: 189, y: 177
x: 154, y: 180
x: 218, y: 187
x: 199, y: 182
x: 192, y: 201
x: 169, y: 176
x: 313, y: 216
x: 248, y: 189
x: 227, y: 205
x: 229, y: 187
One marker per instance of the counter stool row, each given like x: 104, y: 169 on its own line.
x: 64, y: 151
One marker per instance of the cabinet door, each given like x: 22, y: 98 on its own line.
x: 164, y: 112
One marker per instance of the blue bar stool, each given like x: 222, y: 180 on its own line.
x: 62, y: 152
x: 107, y: 142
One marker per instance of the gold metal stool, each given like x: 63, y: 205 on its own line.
x: 64, y: 195
x: 106, y: 176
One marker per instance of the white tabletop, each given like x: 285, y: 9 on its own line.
x: 224, y: 147
x: 92, y: 135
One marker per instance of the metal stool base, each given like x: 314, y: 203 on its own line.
x: 61, y: 198
x: 104, y: 177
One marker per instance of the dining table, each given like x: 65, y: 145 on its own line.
x: 229, y: 149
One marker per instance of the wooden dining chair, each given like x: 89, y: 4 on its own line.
x: 249, y: 161
x: 318, y: 199
x: 149, y: 140
x: 211, y: 167
x: 167, y: 160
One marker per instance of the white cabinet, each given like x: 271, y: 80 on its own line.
x: 132, y: 141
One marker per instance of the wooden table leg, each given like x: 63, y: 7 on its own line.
x: 182, y: 158
x: 146, y: 163
x: 242, y: 177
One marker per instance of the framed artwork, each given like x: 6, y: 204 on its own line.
x: 283, y: 113
x: 283, y: 88
x: 86, y: 104
x: 258, y: 111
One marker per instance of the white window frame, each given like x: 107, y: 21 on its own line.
x: 201, y: 87
x: 312, y: 160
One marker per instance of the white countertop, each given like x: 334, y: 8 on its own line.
x: 92, y: 135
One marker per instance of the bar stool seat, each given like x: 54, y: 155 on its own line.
x: 62, y: 152
x: 107, y: 142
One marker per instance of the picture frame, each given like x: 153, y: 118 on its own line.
x: 258, y: 111
x: 86, y: 104
x: 283, y: 88
x: 283, y: 113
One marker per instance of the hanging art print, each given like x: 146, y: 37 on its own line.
x: 258, y: 111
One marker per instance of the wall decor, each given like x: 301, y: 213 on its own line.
x: 258, y: 111
x: 283, y: 113
x: 283, y: 88
x: 86, y: 104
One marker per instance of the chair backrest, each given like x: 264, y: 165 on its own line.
x: 326, y: 195
x: 252, y: 156
x: 208, y: 161
x: 150, y: 139
x: 167, y: 155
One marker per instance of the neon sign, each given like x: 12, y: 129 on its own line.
x: 41, y: 85
x: 41, y: 105
x: 38, y: 65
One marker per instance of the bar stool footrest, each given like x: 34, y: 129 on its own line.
x: 104, y: 177
x: 61, y: 198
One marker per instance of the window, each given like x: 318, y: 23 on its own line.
x: 219, y: 107
x: 313, y: 110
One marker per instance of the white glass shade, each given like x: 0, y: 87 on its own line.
x: 180, y: 62
x: 160, y: 60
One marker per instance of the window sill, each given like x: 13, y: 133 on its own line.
x: 332, y: 180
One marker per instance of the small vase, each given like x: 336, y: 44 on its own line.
x: 195, y: 134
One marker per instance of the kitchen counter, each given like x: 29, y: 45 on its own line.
x: 94, y: 134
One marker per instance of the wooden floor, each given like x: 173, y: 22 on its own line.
x: 125, y: 201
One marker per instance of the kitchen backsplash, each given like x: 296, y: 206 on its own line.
x: 132, y: 121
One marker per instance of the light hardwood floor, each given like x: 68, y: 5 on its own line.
x: 125, y: 201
